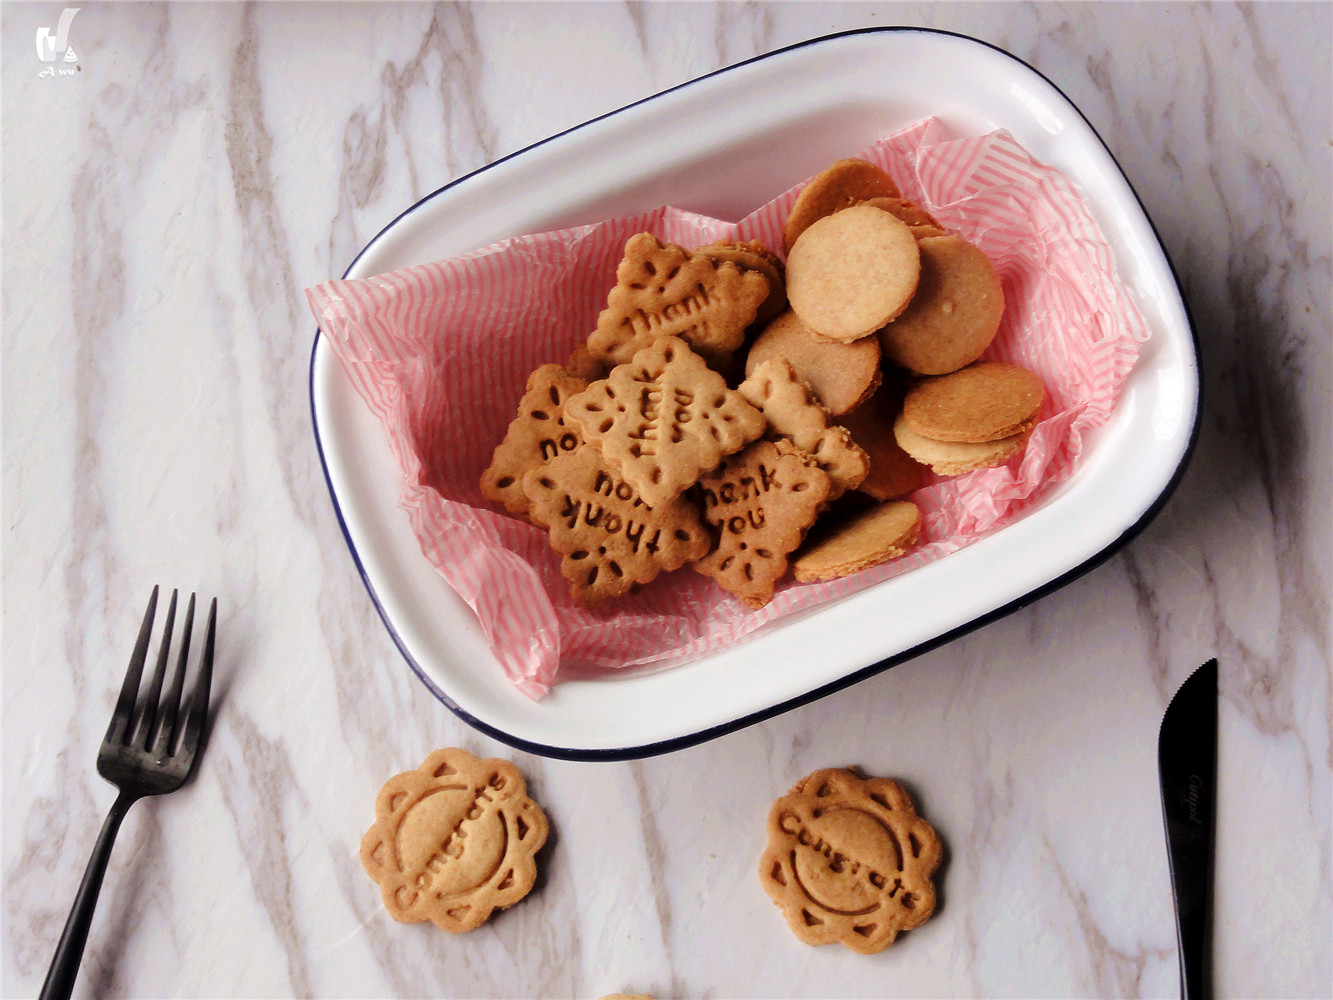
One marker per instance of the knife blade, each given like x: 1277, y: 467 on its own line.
x: 1187, y: 766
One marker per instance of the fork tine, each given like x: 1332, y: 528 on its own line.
x: 197, y: 718
x: 143, y: 734
x: 170, y: 707
x: 129, y: 690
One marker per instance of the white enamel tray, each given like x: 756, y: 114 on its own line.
x: 722, y: 145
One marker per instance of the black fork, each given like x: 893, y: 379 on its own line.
x: 150, y: 749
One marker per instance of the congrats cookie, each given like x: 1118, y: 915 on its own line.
x: 454, y: 840
x: 849, y: 861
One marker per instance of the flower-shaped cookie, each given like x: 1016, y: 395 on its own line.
x: 849, y: 860
x: 454, y: 840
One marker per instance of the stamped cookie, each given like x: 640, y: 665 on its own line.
x: 955, y: 313
x: 858, y: 540
x: 842, y: 375
x: 610, y: 541
x: 849, y: 861
x: 752, y: 255
x: 791, y: 410
x: 454, y: 840
x: 537, y: 433
x: 663, y: 290
x: 664, y: 418
x: 760, y: 502
x: 852, y: 272
x: 841, y: 185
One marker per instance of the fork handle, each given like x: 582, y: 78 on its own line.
x: 69, y: 952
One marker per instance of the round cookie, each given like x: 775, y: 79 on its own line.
x: 454, y: 840
x: 852, y: 272
x: 841, y: 185
x: 842, y: 375
x: 954, y: 314
x: 985, y: 401
x: 893, y: 473
x: 915, y: 217
x: 849, y: 860
x: 953, y: 458
x: 865, y: 538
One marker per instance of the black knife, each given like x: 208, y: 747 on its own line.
x: 1187, y: 762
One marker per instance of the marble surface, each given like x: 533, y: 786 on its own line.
x: 165, y: 205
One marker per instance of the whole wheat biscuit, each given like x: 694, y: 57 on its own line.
x: 791, y: 410
x: 953, y: 458
x: 454, y: 840
x: 663, y: 290
x: 858, y: 540
x: 893, y: 473
x: 842, y: 376
x: 664, y: 418
x: 852, y: 272
x: 849, y: 860
x: 909, y: 212
x: 760, y: 502
x: 610, y: 541
x: 985, y: 401
x: 841, y: 185
x: 538, y: 432
x: 955, y: 313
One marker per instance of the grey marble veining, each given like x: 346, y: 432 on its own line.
x: 165, y: 205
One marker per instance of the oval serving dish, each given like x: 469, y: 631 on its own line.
x: 720, y: 146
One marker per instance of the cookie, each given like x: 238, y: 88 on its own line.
x: 955, y: 313
x: 841, y: 185
x: 610, y: 541
x: 852, y: 272
x: 664, y: 418
x: 663, y: 290
x: 858, y: 540
x: 849, y: 861
x: 908, y: 212
x: 454, y: 840
x: 753, y: 255
x: 953, y: 458
x: 760, y: 502
x: 985, y: 401
x: 842, y: 376
x: 792, y: 412
x: 582, y: 364
x: 892, y: 472
x: 538, y: 432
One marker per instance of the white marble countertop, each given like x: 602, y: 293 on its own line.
x: 165, y: 205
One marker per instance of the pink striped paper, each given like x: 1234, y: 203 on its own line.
x: 440, y: 352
